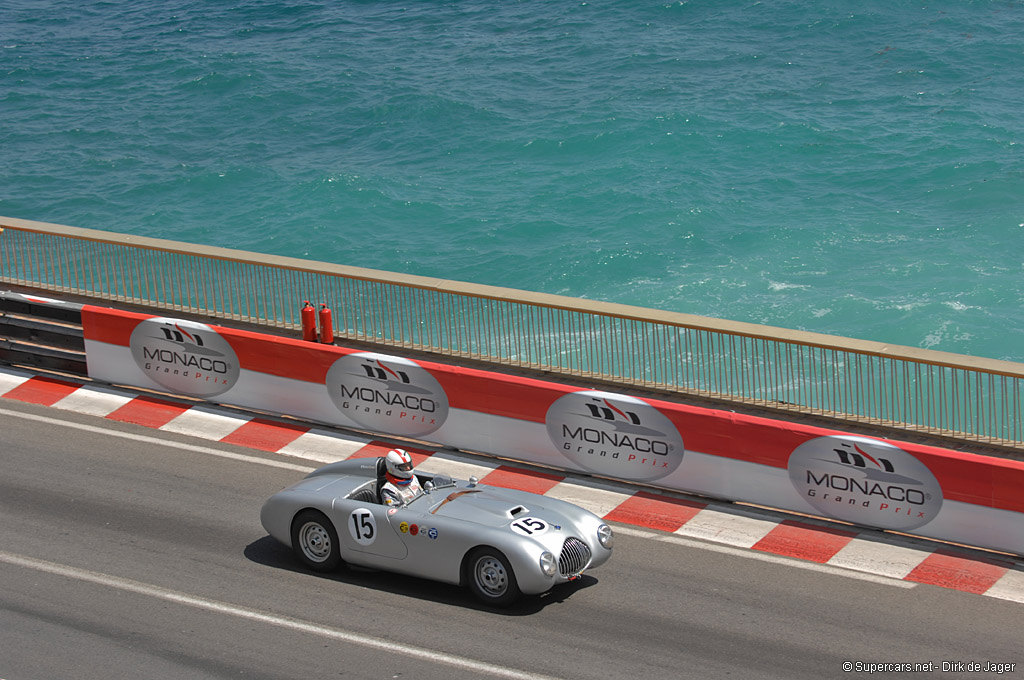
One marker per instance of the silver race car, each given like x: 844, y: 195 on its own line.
x: 497, y: 542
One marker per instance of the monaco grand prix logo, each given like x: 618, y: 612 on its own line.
x: 865, y: 481
x: 387, y: 394
x: 614, y: 435
x: 186, y: 357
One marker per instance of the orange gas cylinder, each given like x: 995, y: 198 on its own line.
x: 308, y: 323
x: 326, y: 325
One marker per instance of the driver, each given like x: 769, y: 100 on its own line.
x: 401, y: 485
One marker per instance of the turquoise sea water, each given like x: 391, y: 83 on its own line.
x: 847, y: 168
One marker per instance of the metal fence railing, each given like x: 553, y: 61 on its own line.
x: 909, y: 388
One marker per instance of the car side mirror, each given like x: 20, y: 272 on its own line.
x: 428, y: 487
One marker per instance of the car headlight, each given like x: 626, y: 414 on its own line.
x: 548, y: 565
x: 604, y: 535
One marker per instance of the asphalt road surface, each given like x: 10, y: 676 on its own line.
x: 133, y: 553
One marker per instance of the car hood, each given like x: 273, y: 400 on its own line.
x: 492, y: 506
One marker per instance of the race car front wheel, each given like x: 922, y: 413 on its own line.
x: 490, y: 577
x: 315, y: 542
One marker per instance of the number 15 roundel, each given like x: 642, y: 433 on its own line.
x: 363, y: 526
x: 530, y: 526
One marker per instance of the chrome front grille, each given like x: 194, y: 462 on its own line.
x: 574, y: 558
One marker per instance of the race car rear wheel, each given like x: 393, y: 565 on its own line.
x: 490, y: 577
x: 315, y: 542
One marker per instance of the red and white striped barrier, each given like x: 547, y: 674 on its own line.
x: 870, y: 482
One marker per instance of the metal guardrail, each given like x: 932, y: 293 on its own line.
x: 41, y: 334
x: 908, y: 388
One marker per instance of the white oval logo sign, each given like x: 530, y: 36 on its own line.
x: 186, y: 357
x: 614, y: 435
x: 387, y: 394
x: 865, y: 481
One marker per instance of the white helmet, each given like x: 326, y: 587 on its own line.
x: 399, y: 464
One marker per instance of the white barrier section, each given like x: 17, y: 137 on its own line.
x: 886, y: 484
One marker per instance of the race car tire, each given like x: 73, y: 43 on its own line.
x: 490, y: 577
x: 315, y: 542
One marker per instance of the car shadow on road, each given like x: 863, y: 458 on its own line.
x: 268, y: 552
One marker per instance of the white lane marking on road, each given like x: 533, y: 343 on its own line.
x: 156, y: 441
x: 352, y: 637
x: 324, y: 446
x: 205, y: 422
x: 765, y: 557
x: 885, y: 559
x: 454, y: 465
x: 730, y: 526
x: 9, y: 379
x: 590, y: 495
x: 94, y: 400
x: 1009, y: 587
